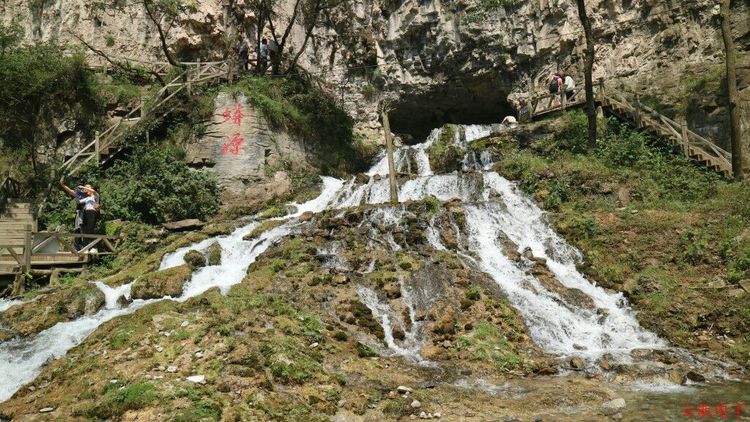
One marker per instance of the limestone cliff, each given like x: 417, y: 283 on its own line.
x: 442, y: 61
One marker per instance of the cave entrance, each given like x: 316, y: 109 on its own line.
x: 478, y: 101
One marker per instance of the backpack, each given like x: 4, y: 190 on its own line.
x: 553, y: 86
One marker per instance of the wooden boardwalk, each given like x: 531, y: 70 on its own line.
x: 645, y: 119
x: 24, y: 251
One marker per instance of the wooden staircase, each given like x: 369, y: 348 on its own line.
x: 16, y: 225
x: 111, y: 141
x: 646, y: 119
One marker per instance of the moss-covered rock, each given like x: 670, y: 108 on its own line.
x: 214, y: 254
x: 195, y: 259
x: 162, y: 283
x: 445, y: 156
x: 263, y: 227
x: 5, y: 335
x: 58, y: 306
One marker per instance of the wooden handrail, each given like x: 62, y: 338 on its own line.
x: 195, y: 73
x: 645, y: 117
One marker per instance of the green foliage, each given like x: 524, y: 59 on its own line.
x: 39, y: 89
x: 445, y: 156
x: 151, y: 187
x: 308, y: 112
x: 110, y: 39
x: 366, y: 351
x: 493, y: 5
x: 116, y: 401
x: 573, y: 132
x: 693, y: 244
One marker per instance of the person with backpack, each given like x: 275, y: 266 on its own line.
x: 555, y: 89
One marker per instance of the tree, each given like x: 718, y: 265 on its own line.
x: 164, y: 14
x: 588, y: 70
x: 735, y: 131
x: 305, y: 13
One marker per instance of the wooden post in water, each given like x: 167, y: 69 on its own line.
x: 389, y: 152
x: 19, y: 285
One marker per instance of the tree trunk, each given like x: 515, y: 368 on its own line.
x: 389, y: 152
x: 588, y: 70
x: 735, y: 131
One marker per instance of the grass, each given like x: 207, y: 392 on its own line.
x: 116, y: 401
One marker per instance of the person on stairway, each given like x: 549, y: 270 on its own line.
x: 263, y: 56
x: 555, y: 90
x: 91, y: 208
x: 244, y: 52
x: 570, y: 85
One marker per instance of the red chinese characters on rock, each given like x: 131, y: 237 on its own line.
x: 234, y: 116
x: 713, y: 411
x: 234, y: 145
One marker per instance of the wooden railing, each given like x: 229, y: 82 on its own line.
x: 690, y: 143
x: 195, y: 73
x: 66, y: 241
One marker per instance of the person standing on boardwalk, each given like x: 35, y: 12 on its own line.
x: 244, y: 52
x: 569, y: 85
x: 263, y: 56
x: 555, y: 89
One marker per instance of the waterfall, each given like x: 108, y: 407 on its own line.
x: 494, y: 209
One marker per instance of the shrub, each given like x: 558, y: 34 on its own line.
x: 573, y: 132
x: 153, y: 187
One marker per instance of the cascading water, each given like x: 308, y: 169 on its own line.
x: 494, y: 210
x: 21, y: 359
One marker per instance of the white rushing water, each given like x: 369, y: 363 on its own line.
x: 495, y: 210
x: 22, y: 359
x: 5, y: 304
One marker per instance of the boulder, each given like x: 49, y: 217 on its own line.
x: 214, y: 254
x: 577, y: 363
x: 184, y: 225
x: 195, y: 259
x: 162, y: 283
x: 613, y: 406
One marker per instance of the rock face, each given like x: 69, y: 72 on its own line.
x: 442, y: 62
x: 167, y: 282
x: 250, y: 160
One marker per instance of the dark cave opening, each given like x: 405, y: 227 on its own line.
x: 479, y: 101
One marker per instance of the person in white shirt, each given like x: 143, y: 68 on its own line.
x: 570, y: 86
x: 91, y: 207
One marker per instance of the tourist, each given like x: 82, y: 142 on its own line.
x: 555, y: 89
x: 263, y: 56
x: 570, y: 85
x: 510, y: 122
x: 77, y: 194
x: 243, y: 51
x: 91, y: 209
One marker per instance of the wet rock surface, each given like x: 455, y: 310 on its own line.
x: 162, y: 283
